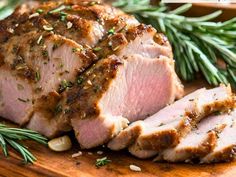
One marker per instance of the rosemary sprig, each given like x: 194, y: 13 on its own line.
x: 101, y: 162
x: 197, y: 43
x: 13, y: 137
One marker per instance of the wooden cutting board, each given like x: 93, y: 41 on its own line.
x: 50, y: 163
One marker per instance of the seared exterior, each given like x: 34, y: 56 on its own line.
x: 86, y: 66
x: 50, y: 47
x: 166, y: 128
x: 205, y: 139
x: 224, y: 150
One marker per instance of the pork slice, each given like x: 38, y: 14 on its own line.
x: 16, y: 97
x: 141, y: 39
x: 111, y: 102
x: 205, y: 139
x: 45, y: 116
x: 126, y: 137
x: 43, y: 67
x: 226, y: 143
x: 158, y: 138
x: 48, y: 63
x: 165, y: 116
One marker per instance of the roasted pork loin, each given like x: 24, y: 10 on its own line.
x: 226, y: 142
x: 165, y: 128
x: 86, y: 66
x: 200, y: 141
x: 79, y: 65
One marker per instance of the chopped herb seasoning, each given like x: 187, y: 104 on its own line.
x: 217, y: 113
x: 37, y: 76
x: 33, y: 15
x: 47, y: 27
x: 22, y: 100
x: 80, y: 80
x: 10, y: 30
x: 63, y: 16
x: 76, y: 50
x: 101, y: 162
x: 15, y: 49
x: 59, y: 9
x: 61, y: 65
x: 64, y: 85
x: 89, y: 82
x: 45, y: 53
x: 58, y: 109
x: 217, y: 135
x: 116, y: 48
x: 67, y: 111
x: 232, y: 124
x: 110, y: 43
x: 92, y: 3
x: 40, y: 11
x: 69, y: 25
x: 54, y: 47
x: 39, y: 40
x: 96, y: 49
x: 111, y: 31
x: 20, y: 87
x: 97, y: 88
x: 38, y: 89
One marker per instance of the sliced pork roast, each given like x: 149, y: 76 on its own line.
x: 130, y: 75
x: 129, y: 104
x: 200, y: 141
x: 226, y: 143
x: 133, y: 87
x: 48, y: 61
x: 164, y: 129
x: 170, y: 133
x: 166, y: 115
x: 42, y: 67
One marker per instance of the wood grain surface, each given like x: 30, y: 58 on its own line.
x: 54, y: 164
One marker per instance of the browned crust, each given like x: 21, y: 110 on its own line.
x: 226, y: 155
x: 82, y: 99
x: 164, y: 139
x: 20, y: 15
x: 192, y: 153
x: 159, y: 141
x: 207, y: 146
x: 22, y: 63
x: 116, y: 42
x: 129, y: 135
x: 79, y: 13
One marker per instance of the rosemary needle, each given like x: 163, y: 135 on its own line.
x: 13, y: 137
x: 197, y: 42
x: 101, y: 162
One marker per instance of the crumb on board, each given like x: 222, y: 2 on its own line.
x: 135, y: 168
